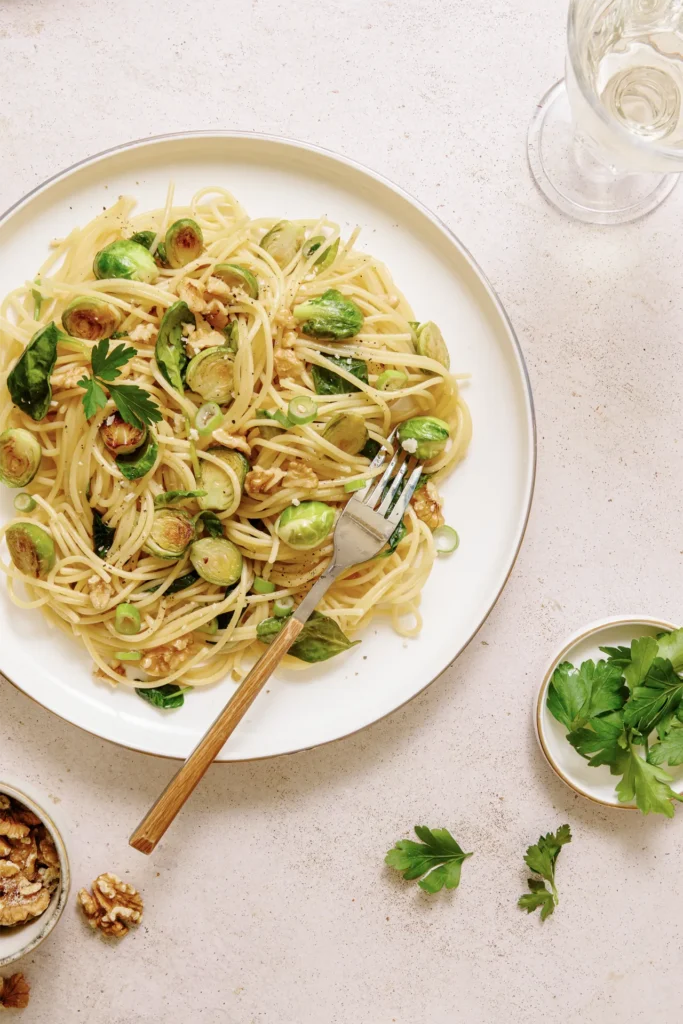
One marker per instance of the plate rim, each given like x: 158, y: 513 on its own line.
x: 540, y: 716
x: 530, y: 413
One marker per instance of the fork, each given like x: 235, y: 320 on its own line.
x: 365, y: 525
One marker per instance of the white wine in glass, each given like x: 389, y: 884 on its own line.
x: 606, y: 144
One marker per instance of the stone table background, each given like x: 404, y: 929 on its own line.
x: 269, y: 903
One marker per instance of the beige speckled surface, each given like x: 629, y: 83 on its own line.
x: 269, y: 901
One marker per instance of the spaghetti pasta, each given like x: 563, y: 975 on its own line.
x: 275, y: 362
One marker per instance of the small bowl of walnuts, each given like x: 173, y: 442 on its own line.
x: 34, y: 873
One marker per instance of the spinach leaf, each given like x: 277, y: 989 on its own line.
x: 320, y: 639
x: 329, y: 383
x: 169, y: 351
x: 370, y: 449
x: 171, y: 497
x: 394, y: 541
x: 167, y: 697
x: 139, y: 462
x: 211, y: 523
x: 29, y: 381
x: 102, y: 535
x: 180, y: 583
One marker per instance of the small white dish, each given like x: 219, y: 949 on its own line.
x: 595, y: 783
x: 16, y: 942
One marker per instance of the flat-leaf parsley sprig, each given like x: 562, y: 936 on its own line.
x: 134, y: 404
x: 438, y: 857
x: 541, y: 859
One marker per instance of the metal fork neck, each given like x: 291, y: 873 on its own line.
x: 316, y: 593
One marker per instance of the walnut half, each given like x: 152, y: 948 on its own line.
x: 112, y: 906
x: 29, y: 865
x: 14, y: 992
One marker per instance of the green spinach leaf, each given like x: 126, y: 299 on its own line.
x: 320, y: 639
x: 166, y: 697
x: 102, y: 535
x: 211, y: 523
x: 29, y: 380
x: 171, y: 497
x: 327, y: 382
x: 180, y: 583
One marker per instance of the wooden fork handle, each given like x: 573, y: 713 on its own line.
x: 157, y: 820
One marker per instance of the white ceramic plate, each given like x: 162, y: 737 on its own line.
x: 487, y: 498
x: 595, y: 783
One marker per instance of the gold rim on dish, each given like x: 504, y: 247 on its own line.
x: 583, y: 634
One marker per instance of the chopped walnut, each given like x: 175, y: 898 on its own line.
x: 190, y: 291
x: 217, y: 315
x: 215, y: 286
x: 99, y: 592
x: 284, y: 318
x: 11, y: 826
x: 21, y: 900
x: 4, y: 802
x: 14, y: 992
x: 143, y: 332
x: 427, y: 504
x: 289, y: 338
x: 299, y: 475
x: 201, y: 340
x: 8, y: 869
x: 161, y: 661
x: 112, y: 906
x: 287, y: 363
x: 235, y: 441
x: 260, y: 480
x: 25, y: 855
x: 5, y: 848
x: 68, y: 376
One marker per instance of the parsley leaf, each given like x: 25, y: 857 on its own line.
x: 94, y: 397
x: 648, y: 785
x: 603, y: 741
x: 670, y: 749
x: 438, y: 858
x: 107, y: 365
x: 134, y: 404
x: 658, y: 698
x: 574, y: 697
x: 542, y: 859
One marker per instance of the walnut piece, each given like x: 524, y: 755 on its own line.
x: 235, y: 441
x: 287, y: 363
x: 204, y: 339
x: 299, y: 475
x: 191, y: 292
x: 260, y: 480
x: 99, y: 592
x: 68, y: 377
x: 427, y: 504
x: 112, y: 906
x: 161, y: 661
x: 14, y: 992
x: 29, y: 864
x: 143, y: 332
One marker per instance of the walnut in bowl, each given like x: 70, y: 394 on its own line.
x: 34, y: 873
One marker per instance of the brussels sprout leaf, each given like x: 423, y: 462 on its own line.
x: 327, y: 382
x: 171, y: 497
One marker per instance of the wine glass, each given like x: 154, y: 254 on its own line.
x: 606, y: 144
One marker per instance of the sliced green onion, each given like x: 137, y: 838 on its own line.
x: 128, y: 655
x: 24, y: 502
x: 208, y: 418
x: 127, y: 619
x: 37, y: 300
x: 210, y: 628
x: 391, y: 380
x: 446, y: 540
x: 283, y: 607
x: 302, y: 409
x: 354, y: 485
x: 261, y: 586
x: 278, y: 416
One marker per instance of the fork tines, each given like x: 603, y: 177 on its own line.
x: 389, y: 496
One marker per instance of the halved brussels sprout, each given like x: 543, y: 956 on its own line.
x: 120, y: 437
x: 306, y: 525
x: 32, y: 549
x: 423, y: 436
x: 330, y: 316
x: 429, y: 342
x: 237, y: 276
x: 92, y: 319
x: 139, y: 462
x: 283, y: 242
x: 20, y: 455
x: 184, y: 242
x: 126, y: 259
x: 211, y: 374
x: 172, y: 531
x: 326, y: 258
x: 146, y: 238
x: 217, y: 484
x: 347, y: 431
x: 232, y: 335
x: 217, y: 560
